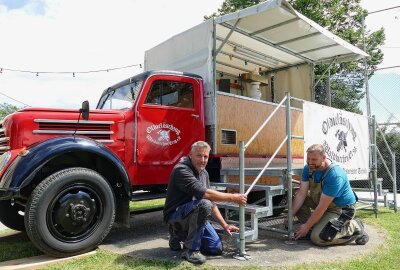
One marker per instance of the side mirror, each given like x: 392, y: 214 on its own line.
x: 85, y: 110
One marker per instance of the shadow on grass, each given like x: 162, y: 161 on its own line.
x: 15, y: 246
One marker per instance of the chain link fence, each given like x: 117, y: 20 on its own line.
x: 384, y: 92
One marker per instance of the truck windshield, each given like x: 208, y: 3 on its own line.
x: 121, y: 98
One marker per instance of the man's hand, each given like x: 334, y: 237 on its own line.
x: 240, y: 199
x: 301, y: 231
x: 230, y: 228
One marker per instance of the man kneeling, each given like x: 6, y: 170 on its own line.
x: 325, y: 188
x: 190, y: 204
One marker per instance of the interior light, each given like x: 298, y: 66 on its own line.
x: 256, y: 56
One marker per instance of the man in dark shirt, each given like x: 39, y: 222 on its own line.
x: 189, y: 205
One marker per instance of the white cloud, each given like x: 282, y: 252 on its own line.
x: 390, y: 21
x: 74, y: 35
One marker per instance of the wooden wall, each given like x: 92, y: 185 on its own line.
x: 245, y: 116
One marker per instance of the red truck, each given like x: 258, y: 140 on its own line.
x: 67, y: 175
x: 64, y: 179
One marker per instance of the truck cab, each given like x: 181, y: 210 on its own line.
x: 65, y: 180
x: 165, y: 115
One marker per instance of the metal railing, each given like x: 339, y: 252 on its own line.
x: 287, y: 139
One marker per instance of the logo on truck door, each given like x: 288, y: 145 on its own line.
x: 163, y: 134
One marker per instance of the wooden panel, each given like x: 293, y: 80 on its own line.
x: 245, y: 116
x: 264, y: 180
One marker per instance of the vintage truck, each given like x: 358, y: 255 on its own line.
x: 66, y: 176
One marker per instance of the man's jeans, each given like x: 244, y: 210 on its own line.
x: 189, y: 223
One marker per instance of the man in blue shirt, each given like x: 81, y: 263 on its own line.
x: 324, y: 204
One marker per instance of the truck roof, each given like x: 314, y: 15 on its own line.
x: 146, y: 74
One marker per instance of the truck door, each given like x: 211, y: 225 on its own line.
x: 170, y: 118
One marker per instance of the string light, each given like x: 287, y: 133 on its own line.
x: 67, y: 72
x: 26, y: 105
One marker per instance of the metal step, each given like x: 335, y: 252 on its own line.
x: 257, y: 210
x: 271, y: 190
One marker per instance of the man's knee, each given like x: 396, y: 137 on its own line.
x: 325, y: 236
x: 316, y: 239
x: 204, y: 207
x: 214, y: 247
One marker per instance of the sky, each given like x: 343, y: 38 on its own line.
x: 76, y: 36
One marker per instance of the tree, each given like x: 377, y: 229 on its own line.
x: 343, y: 18
x: 6, y: 109
x: 229, y: 6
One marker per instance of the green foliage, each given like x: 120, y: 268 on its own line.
x: 229, y: 6
x: 345, y: 19
x: 6, y: 109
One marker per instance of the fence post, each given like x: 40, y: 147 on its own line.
x: 374, y: 166
x: 241, y: 208
x: 289, y: 165
x: 394, y: 181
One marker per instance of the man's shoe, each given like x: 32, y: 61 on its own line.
x: 194, y: 256
x: 175, y: 245
x: 363, y: 237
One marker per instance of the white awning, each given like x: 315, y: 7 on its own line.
x: 272, y: 35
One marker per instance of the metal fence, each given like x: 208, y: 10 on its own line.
x: 384, y: 93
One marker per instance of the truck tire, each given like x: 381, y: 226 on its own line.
x: 70, y: 212
x: 10, y: 217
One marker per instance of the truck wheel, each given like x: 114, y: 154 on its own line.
x: 70, y: 212
x: 10, y: 217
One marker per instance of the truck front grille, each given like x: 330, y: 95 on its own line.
x: 4, y: 141
x: 96, y: 130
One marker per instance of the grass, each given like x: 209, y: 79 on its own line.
x: 141, y: 205
x: 104, y: 259
x: 16, y: 245
x: 386, y: 257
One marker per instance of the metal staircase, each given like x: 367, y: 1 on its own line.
x: 262, y: 209
x: 285, y: 186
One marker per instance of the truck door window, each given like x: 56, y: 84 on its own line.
x: 171, y: 93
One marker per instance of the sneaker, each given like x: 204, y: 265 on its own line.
x: 194, y: 256
x: 175, y: 245
x: 363, y: 237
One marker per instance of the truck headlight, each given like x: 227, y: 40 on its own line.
x: 4, y: 158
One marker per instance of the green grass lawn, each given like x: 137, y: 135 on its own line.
x: 16, y: 245
x: 141, y: 205
x: 386, y: 257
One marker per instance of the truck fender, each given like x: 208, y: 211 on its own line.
x: 25, y: 167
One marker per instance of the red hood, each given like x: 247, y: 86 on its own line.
x: 58, y: 110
